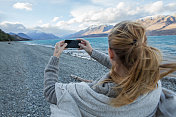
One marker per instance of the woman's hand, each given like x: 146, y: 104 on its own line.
x: 86, y: 46
x: 59, y: 47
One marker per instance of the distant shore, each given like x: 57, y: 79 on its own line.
x: 21, y: 77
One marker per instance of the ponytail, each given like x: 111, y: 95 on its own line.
x: 129, y: 42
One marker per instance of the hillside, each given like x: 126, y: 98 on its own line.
x: 35, y: 35
x: 23, y: 35
x: 159, y: 25
x: 155, y: 25
x: 7, y: 37
x: 93, y: 31
x: 4, y: 36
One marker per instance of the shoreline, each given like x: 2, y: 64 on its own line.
x: 72, y: 52
x: 167, y: 55
x: 21, y: 77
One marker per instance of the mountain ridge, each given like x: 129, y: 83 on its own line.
x: 155, y: 26
x: 20, y: 35
x: 7, y: 37
x: 92, y: 31
x: 36, y: 35
x: 160, y: 25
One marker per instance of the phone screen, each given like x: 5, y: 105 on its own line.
x: 72, y: 43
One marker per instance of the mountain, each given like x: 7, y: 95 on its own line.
x: 7, y: 37
x: 18, y: 38
x: 92, y: 31
x: 159, y: 25
x: 11, y: 33
x: 20, y: 34
x: 23, y: 35
x: 36, y: 35
x: 155, y: 25
x: 4, y: 36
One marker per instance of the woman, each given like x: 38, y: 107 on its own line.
x: 132, y: 88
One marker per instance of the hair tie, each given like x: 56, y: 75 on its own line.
x: 134, y: 42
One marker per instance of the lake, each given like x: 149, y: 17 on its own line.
x: 166, y: 44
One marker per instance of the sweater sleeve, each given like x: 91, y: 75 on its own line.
x: 50, y: 78
x: 101, y: 58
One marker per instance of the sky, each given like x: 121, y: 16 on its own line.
x: 62, y: 17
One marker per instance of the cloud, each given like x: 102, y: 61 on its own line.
x: 58, y: 28
x: 14, y: 27
x: 67, y: 25
x: 171, y: 7
x: 160, y: 8
x: 94, y: 15
x: 154, y: 7
x: 107, y: 15
x: 55, y: 19
x: 47, y: 28
x: 61, y: 23
x: 20, y: 5
x: 17, y: 27
x: 83, y: 16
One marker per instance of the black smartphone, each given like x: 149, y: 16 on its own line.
x: 72, y: 43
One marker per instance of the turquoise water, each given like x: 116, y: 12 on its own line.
x: 166, y: 44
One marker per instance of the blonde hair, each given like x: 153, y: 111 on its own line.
x: 129, y: 42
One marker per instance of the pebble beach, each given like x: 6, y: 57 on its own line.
x: 21, y: 77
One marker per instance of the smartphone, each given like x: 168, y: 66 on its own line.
x: 72, y: 43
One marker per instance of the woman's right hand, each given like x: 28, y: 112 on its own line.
x: 86, y: 46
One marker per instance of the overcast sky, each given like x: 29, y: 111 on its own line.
x: 61, y: 17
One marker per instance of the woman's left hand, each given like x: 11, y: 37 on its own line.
x: 59, y: 47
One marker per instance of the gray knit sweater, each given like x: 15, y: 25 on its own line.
x: 87, y: 100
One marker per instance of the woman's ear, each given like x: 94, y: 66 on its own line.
x: 111, y: 53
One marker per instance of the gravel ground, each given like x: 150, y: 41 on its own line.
x: 21, y: 77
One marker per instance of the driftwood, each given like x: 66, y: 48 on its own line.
x: 79, y: 78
